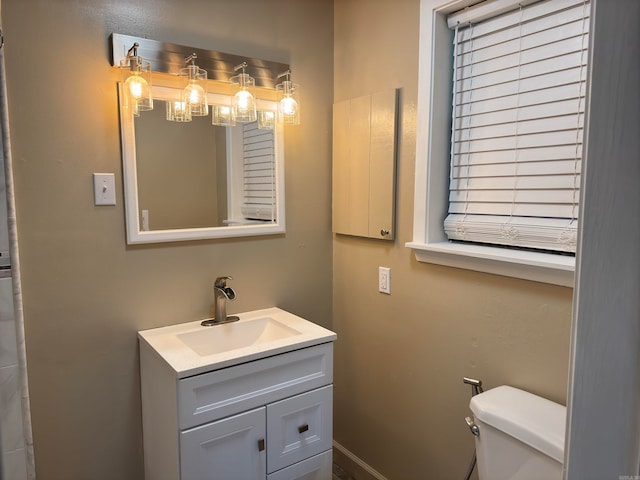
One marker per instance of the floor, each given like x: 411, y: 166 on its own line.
x: 340, y: 474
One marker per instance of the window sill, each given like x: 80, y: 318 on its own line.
x: 538, y: 267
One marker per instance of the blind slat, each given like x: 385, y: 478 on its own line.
x: 562, y: 137
x: 523, y: 210
x: 532, y: 112
x: 550, y: 124
x: 258, y: 153
x: 507, y: 182
x: 517, y: 196
x: 550, y: 168
x: 546, y: 153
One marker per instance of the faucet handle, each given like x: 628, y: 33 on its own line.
x: 221, y: 282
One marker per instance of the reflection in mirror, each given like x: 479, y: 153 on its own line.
x: 194, y: 180
x: 181, y: 171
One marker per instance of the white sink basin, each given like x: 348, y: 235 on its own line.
x: 190, y: 348
x: 230, y: 336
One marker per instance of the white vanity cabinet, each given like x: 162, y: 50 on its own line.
x: 263, y: 419
x: 263, y: 442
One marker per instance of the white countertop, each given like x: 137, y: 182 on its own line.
x: 184, y: 361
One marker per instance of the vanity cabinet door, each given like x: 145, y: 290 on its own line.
x: 232, y: 448
x: 299, y: 427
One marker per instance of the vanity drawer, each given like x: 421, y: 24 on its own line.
x: 299, y: 427
x: 314, y: 468
x: 214, y: 395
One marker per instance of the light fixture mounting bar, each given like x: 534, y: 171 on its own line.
x: 169, y: 58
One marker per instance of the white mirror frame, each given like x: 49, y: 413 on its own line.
x: 136, y: 235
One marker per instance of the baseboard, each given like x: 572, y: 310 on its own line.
x: 354, y: 466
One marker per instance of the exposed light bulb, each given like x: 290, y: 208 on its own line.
x: 194, y: 93
x: 244, y: 100
x: 289, y: 105
x: 178, y: 111
x: 137, y: 87
x: 266, y: 119
x: 223, y: 115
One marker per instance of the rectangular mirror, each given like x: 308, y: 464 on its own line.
x: 195, y: 180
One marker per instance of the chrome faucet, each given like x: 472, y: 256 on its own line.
x: 221, y: 293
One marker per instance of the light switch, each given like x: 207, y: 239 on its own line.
x: 104, y: 188
x: 384, y: 280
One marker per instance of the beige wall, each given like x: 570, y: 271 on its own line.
x: 86, y: 293
x: 400, y: 359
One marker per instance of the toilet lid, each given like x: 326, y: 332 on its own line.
x: 535, y: 421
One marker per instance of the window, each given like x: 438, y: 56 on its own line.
x: 503, y: 134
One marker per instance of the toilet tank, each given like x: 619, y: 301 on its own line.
x: 521, y: 435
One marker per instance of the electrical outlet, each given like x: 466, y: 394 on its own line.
x: 384, y: 280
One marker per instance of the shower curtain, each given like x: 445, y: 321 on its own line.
x: 8, y: 468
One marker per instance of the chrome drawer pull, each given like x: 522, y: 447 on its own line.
x: 303, y: 428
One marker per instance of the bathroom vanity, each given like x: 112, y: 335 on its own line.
x: 248, y: 400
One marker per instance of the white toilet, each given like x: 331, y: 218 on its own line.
x: 521, y: 435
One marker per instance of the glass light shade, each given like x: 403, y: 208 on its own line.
x: 266, y: 119
x: 137, y: 83
x: 223, y: 115
x: 244, y: 101
x: 194, y: 93
x: 177, y: 111
x: 289, y: 105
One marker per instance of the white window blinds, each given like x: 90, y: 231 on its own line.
x: 259, y: 201
x: 517, y: 125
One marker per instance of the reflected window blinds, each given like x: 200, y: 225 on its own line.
x: 259, y: 202
x: 517, y: 126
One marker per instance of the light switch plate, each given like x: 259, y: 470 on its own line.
x: 104, y: 188
x: 384, y: 280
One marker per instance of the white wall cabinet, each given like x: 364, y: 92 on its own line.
x: 265, y: 419
x: 364, y: 165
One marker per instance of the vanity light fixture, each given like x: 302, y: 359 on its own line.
x: 289, y: 105
x: 266, y: 119
x: 167, y: 58
x: 244, y: 101
x: 194, y: 94
x: 137, y: 82
x: 223, y: 115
